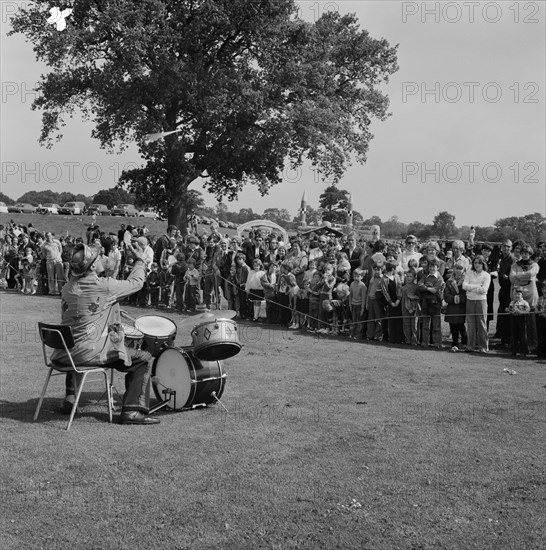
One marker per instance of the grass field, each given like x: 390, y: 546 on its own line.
x: 76, y: 225
x: 327, y: 444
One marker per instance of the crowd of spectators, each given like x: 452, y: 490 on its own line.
x: 393, y: 292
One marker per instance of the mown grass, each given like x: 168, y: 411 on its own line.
x: 327, y: 444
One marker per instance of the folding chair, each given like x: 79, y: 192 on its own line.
x: 60, y: 337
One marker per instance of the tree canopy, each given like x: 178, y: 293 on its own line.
x: 245, y: 84
x: 114, y: 196
x: 334, y: 203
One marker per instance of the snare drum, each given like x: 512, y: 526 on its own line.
x: 133, y: 337
x: 159, y: 333
x: 193, y: 381
x: 216, y: 340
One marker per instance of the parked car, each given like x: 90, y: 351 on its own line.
x: 48, y: 208
x: 3, y: 208
x: 22, y: 208
x: 149, y: 213
x: 125, y: 210
x: 72, y: 208
x: 98, y: 209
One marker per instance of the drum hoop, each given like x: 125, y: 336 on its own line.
x: 173, y: 331
x: 214, y: 322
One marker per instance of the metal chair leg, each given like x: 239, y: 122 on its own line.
x: 78, y: 394
x: 39, y: 406
x: 109, y: 395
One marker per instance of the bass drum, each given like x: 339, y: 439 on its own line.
x: 194, y: 381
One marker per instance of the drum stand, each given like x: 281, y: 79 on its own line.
x: 169, y: 393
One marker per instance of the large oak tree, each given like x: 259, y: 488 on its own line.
x: 246, y: 85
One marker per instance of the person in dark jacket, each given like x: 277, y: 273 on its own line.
x: 455, y: 314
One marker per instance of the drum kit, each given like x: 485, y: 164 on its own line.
x: 187, y: 377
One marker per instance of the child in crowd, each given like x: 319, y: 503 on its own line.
x: 413, y: 265
x: 392, y: 292
x: 343, y: 270
x: 254, y: 288
x: 166, y: 280
x: 19, y: 274
x: 154, y: 282
x: 341, y: 313
x: 325, y: 295
x: 450, y: 264
x: 192, y: 278
x: 269, y: 284
x: 398, y: 270
x: 357, y: 303
x: 455, y: 315
x: 422, y: 270
x: 411, y: 308
x: 286, y: 281
x: 311, y: 268
x: 30, y: 283
x: 302, y: 305
x: 518, y: 310
x: 432, y: 291
x: 314, y: 304
x: 293, y: 291
x: 178, y: 271
x: 376, y: 311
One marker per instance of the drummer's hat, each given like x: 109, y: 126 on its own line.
x: 82, y: 259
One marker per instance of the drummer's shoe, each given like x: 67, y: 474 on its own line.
x: 137, y: 417
x: 68, y: 403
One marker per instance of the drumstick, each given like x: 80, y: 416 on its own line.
x: 123, y: 313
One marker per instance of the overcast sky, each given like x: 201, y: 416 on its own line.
x: 466, y: 135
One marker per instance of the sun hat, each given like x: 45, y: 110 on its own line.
x: 83, y: 258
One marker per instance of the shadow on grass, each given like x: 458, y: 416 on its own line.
x: 23, y: 412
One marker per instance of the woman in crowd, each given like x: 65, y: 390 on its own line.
x: 476, y: 283
x: 298, y: 261
x: 432, y: 251
x: 11, y: 261
x: 523, y: 274
x: 112, y: 257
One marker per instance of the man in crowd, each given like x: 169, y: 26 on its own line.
x: 503, y: 320
x: 52, y: 252
x: 255, y: 250
x: 164, y: 242
x: 353, y: 252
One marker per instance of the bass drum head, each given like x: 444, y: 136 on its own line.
x: 194, y: 381
x: 172, y: 370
